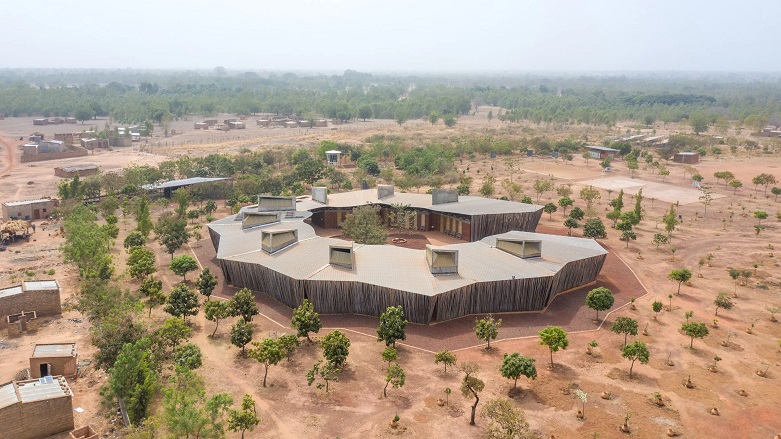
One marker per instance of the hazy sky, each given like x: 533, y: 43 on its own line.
x: 394, y: 35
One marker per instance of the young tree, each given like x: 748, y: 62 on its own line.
x: 306, y: 320
x: 243, y: 304
x: 627, y: 232
x: 143, y: 217
x: 760, y: 215
x: 336, y: 347
x: 570, y: 223
x: 172, y: 332
x: 737, y: 184
x: 141, y: 262
x: 626, y: 326
x: 241, y: 334
x: 206, y: 283
x: 171, y: 232
x: 659, y: 239
x: 216, y: 310
x: 507, y: 422
x: 515, y: 365
x: 364, y: 226
x: 288, y: 344
x: 635, y: 351
x: 734, y: 273
x: 327, y: 371
x: 594, y: 228
x: 722, y: 301
x: 657, y: 307
x: 392, y: 326
x: 183, y: 264
x: 680, y: 276
x: 542, y: 186
x: 764, y: 180
x: 566, y: 202
x: 245, y: 419
x: 670, y: 221
x: 694, y: 330
x: 390, y: 354
x: 446, y: 357
x: 554, y: 338
x: 550, y: 208
x: 600, y: 299
x: 268, y: 352
x: 577, y: 214
x: 487, y: 329
x: 182, y: 302
x: 471, y: 385
x: 134, y: 239
x: 394, y: 375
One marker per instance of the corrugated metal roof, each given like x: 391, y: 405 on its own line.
x: 55, y: 350
x: 10, y: 291
x: 601, y: 148
x: 30, y: 391
x: 25, y: 202
x: 76, y: 168
x: 183, y: 182
x: 41, y: 285
x: 8, y: 395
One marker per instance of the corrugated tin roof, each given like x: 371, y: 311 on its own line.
x: 30, y: 391
x: 183, y: 182
x: 10, y: 291
x: 76, y: 168
x: 41, y: 285
x: 8, y: 395
x: 601, y: 148
x: 25, y: 202
x: 55, y: 350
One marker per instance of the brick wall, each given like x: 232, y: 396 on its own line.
x: 44, y: 303
x: 39, y: 419
x: 65, y: 366
x: 54, y: 155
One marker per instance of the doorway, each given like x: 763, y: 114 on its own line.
x: 45, y: 369
x: 37, y: 214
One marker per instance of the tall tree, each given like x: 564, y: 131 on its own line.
x: 171, y: 232
x: 243, y: 304
x: 364, y: 226
x: 206, y: 283
x: 143, y: 217
x: 183, y: 264
x: 446, y: 357
x: 392, y: 326
x: 182, y: 302
x: 694, y: 330
x: 133, y: 379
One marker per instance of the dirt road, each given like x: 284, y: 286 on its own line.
x: 10, y: 156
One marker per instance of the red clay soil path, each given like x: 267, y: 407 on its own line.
x: 567, y: 310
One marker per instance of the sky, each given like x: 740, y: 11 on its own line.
x: 394, y: 35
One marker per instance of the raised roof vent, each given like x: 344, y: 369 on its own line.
x: 270, y: 203
x: 441, y: 261
x: 341, y: 255
x: 442, y: 196
x: 320, y: 194
x: 523, y: 248
x: 384, y: 191
x: 272, y: 241
x: 257, y: 219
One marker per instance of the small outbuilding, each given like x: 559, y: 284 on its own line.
x: 29, y: 209
x: 689, y: 158
x: 333, y: 157
x: 72, y: 171
x: 601, y: 152
x: 93, y: 143
x: 237, y: 125
x: 40, y: 121
x: 291, y: 124
x: 201, y: 126
x: 34, y: 409
x: 53, y: 359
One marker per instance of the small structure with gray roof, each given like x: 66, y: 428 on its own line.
x: 53, y: 359
x: 35, y: 409
x: 168, y: 187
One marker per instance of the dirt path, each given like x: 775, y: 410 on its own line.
x: 10, y: 160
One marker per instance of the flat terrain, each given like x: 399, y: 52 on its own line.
x: 724, y: 238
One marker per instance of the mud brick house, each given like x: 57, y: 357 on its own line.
x: 41, y: 297
x: 29, y: 209
x: 35, y: 409
x: 53, y: 359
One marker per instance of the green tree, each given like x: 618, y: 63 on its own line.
x: 446, y: 357
x: 554, y: 338
x: 182, y: 198
x: 487, y: 329
x: 336, y: 347
x: 267, y: 352
x: 760, y: 215
x: 449, y: 120
x: 182, y: 302
x: 392, y: 326
x: 188, y: 356
x: 618, y: 202
x: 594, y: 228
x: 694, y: 330
x: 143, y: 217
x: 141, y: 262
x: 216, y: 310
x: 134, y: 239
x: 133, y: 379
x: 624, y: 325
x: 659, y: 239
x: 670, y: 221
x: 542, y: 186
x: 327, y: 371
x: 682, y: 275
x: 153, y: 290
x: 570, y: 223
x: 241, y: 334
x: 600, y: 299
x: 171, y: 232
x: 172, y: 332
x: 183, y: 264
x: 550, y: 208
x: 699, y: 121
x: 433, y: 117
x: 365, y: 112
x: 288, y: 343
x: 364, y: 226
x: 657, y: 306
x: 243, y: 304
x: 87, y: 244
x: 390, y: 354
x: 566, y: 202
x: 471, y: 385
x: 722, y: 301
x: 206, y: 283
x: 84, y: 113
x: 577, y: 214
x: 507, y: 422
x: 401, y: 116
x: 634, y: 352
x: 764, y: 180
x: 245, y: 419
x: 305, y: 320
x: 394, y: 376
x: 515, y: 365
